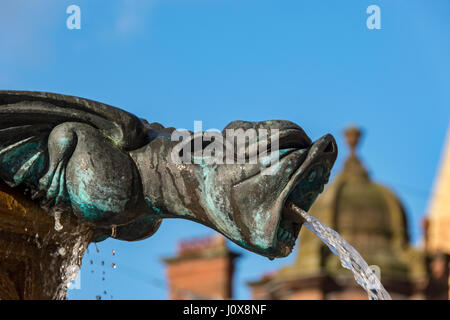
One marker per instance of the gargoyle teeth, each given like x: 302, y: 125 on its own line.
x: 286, y: 236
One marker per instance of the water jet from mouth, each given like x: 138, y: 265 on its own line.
x: 349, y: 257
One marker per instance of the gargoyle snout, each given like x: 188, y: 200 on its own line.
x: 325, y: 147
x: 328, y: 147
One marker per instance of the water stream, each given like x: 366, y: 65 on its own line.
x: 350, y: 258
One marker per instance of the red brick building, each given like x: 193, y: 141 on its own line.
x: 202, y: 269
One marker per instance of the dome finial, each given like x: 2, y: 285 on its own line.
x: 352, y: 135
x: 353, y: 165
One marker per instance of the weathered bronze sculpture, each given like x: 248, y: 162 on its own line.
x: 113, y: 172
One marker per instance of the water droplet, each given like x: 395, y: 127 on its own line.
x: 71, y: 274
x: 113, y: 232
x: 96, y: 248
x: 58, y: 225
x: 62, y: 251
x: 113, y: 265
x: 114, y: 252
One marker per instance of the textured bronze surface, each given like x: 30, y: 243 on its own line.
x: 117, y: 172
x: 31, y: 266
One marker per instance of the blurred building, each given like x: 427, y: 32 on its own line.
x: 437, y: 228
x: 202, y: 269
x: 373, y: 220
x: 369, y: 216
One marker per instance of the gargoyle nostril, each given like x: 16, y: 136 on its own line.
x: 329, y: 148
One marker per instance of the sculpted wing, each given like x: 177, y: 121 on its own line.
x: 27, y: 119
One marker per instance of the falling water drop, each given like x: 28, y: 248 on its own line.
x: 58, y: 225
x: 113, y: 231
x: 71, y: 274
x: 62, y: 251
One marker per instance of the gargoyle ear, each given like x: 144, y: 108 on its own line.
x: 158, y: 127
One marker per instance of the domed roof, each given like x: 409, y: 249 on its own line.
x: 368, y: 215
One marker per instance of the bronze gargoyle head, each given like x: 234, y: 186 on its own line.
x: 123, y: 175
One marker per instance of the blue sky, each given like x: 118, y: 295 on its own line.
x: 311, y: 62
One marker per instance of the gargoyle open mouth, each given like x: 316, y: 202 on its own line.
x: 258, y: 199
x: 305, y: 185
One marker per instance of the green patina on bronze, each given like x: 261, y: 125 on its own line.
x: 115, y: 172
